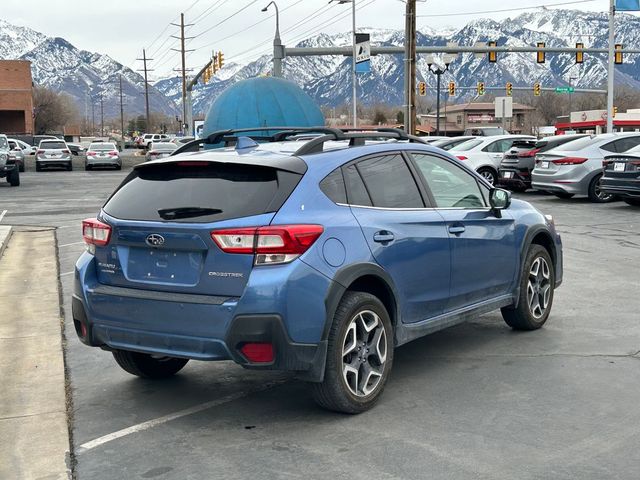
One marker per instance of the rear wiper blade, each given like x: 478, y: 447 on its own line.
x: 186, y: 212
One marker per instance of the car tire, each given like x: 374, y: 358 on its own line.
x: 634, y: 202
x: 70, y: 166
x: 563, y: 195
x: 87, y: 168
x: 148, y: 366
x: 13, y: 177
x: 21, y: 168
x: 489, y: 174
x: 537, y: 283
x: 596, y: 195
x: 118, y: 167
x: 361, y: 327
x: 38, y: 167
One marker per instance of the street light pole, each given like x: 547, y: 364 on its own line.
x: 278, y: 48
x: 437, y: 71
x: 610, y: 66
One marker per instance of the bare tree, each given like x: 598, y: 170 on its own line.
x: 53, y: 110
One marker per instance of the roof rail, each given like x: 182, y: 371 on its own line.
x: 356, y: 137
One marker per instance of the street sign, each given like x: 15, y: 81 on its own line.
x: 565, y: 89
x: 504, y: 107
x: 363, y: 53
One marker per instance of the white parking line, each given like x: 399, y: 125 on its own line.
x: 3, y: 214
x: 66, y: 273
x: 172, y: 416
x: 69, y: 244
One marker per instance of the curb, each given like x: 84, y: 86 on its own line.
x: 5, y: 235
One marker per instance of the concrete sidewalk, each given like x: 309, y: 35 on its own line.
x: 34, y: 437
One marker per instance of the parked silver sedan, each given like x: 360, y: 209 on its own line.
x: 102, y: 154
x: 53, y: 153
x: 160, y: 150
x: 575, y: 168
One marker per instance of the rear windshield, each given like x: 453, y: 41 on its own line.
x: 53, y: 145
x: 102, y: 146
x: 580, y: 143
x: 164, y: 146
x: 200, y: 194
x: 468, y: 145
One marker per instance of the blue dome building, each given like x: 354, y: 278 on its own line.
x: 262, y: 102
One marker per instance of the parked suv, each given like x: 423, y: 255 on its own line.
x: 148, y: 138
x: 519, y: 160
x: 315, y: 256
x: 8, y: 167
x: 53, y: 153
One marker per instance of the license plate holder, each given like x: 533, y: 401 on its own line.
x: 507, y: 175
x: 619, y: 167
x: 544, y: 164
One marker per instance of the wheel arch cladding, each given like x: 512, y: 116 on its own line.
x: 543, y: 238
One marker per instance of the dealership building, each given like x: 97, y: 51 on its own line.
x: 16, y: 97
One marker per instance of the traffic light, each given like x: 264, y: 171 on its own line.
x: 615, y: 110
x: 493, y: 56
x: 509, y: 89
x: 422, y: 89
x: 206, y: 75
x: 540, y: 55
x: 580, y: 55
x: 480, y: 88
x: 537, y: 89
x: 220, y: 60
x: 452, y: 89
x: 617, y: 57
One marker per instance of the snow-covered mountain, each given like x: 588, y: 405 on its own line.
x: 327, y: 80
x: 60, y: 65
x: 83, y: 75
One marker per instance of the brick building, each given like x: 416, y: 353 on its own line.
x: 16, y: 97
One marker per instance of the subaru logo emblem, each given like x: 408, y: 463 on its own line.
x: 154, y: 240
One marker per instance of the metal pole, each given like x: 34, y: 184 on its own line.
x: 93, y: 117
x: 184, y: 73
x: 438, y: 102
x: 353, y: 65
x: 278, y: 49
x: 101, y: 116
x: 502, y: 113
x: 146, y: 90
x: 610, y: 69
x: 412, y: 68
x: 121, y: 116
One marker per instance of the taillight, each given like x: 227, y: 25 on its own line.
x: 461, y: 157
x: 529, y: 154
x: 569, y: 161
x: 113, y: 154
x: 94, y: 232
x: 66, y: 151
x: 91, y: 154
x: 271, y: 245
x: 192, y: 164
x: 40, y: 151
x: 153, y: 154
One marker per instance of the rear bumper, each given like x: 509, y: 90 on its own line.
x: 621, y: 187
x: 178, y: 325
x: 519, y: 179
x: 106, y: 162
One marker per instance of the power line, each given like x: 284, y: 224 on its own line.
x: 225, y: 19
x: 456, y: 14
x: 209, y: 10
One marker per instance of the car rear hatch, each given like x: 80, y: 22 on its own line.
x: 162, y: 216
x: 520, y: 155
x: 625, y: 167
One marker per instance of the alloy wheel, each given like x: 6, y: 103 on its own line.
x: 539, y: 287
x: 364, y: 353
x: 488, y: 176
x: 602, y: 196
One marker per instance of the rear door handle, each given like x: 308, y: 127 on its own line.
x: 383, y: 236
x: 456, y: 229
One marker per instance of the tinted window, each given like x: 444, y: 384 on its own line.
x: 356, y: 191
x: 53, y: 145
x: 200, y: 194
x: 625, y: 144
x: 450, y: 185
x: 102, y: 146
x: 581, y: 143
x: 389, y: 182
x: 468, y: 145
x: 333, y: 187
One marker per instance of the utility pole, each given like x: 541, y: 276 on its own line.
x: 121, y: 116
x: 146, y: 84
x: 101, y: 115
x: 93, y: 117
x: 183, y: 71
x: 410, y: 66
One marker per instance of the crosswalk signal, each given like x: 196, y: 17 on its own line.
x: 509, y: 89
x: 540, y: 54
x: 536, y: 89
x: 493, y: 56
x: 579, y: 54
x: 617, y: 57
x: 452, y: 89
x: 422, y: 89
x: 220, y: 60
x: 480, y: 88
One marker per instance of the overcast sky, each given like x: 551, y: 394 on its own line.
x: 121, y: 28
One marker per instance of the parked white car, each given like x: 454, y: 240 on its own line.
x: 484, y: 154
x: 575, y: 168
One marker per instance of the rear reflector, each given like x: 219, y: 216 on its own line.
x: 94, y: 232
x: 271, y: 245
x: 570, y: 161
x: 461, y: 157
x: 258, y: 352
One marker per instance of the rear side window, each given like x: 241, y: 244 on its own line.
x: 622, y: 145
x: 200, y: 194
x: 333, y: 187
x: 389, y: 182
x: 356, y: 191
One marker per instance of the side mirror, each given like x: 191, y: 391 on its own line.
x: 499, y: 199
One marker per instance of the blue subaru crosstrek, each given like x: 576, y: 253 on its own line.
x: 313, y: 251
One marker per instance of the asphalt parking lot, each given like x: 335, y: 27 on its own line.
x: 474, y: 401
